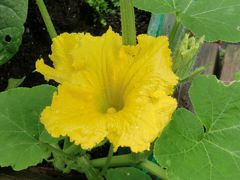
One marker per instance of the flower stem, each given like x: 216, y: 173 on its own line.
x: 46, y: 18
x: 85, y: 166
x: 128, y: 22
x: 153, y: 169
x: 108, y: 161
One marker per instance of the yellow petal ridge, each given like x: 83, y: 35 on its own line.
x: 107, y: 90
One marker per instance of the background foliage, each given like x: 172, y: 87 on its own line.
x: 11, y: 27
x: 217, y: 20
x: 204, y: 144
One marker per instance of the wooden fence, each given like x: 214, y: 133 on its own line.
x: 222, y: 60
x: 224, y: 67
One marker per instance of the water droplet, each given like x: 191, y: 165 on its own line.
x: 128, y: 174
x: 111, y: 110
x: 168, y: 162
x: 238, y: 28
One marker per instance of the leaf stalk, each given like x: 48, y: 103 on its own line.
x: 46, y: 18
x: 128, y: 22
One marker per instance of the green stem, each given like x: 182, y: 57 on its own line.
x: 108, y: 161
x: 126, y: 160
x: 84, y: 165
x: 121, y: 160
x: 46, y: 18
x: 128, y: 22
x: 153, y: 169
x: 73, y: 149
x: 190, y: 77
x: 174, y: 31
x: 58, y: 151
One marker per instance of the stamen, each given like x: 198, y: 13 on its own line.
x: 111, y: 110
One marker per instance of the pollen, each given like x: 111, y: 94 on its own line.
x: 111, y: 110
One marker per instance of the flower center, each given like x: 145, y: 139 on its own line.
x: 114, y: 103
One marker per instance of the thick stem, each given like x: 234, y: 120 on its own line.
x: 121, y: 160
x: 46, y: 18
x: 128, y: 22
x: 153, y: 169
x: 126, y: 160
x: 108, y: 161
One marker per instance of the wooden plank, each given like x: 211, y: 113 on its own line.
x: 182, y: 96
x: 208, y: 57
x: 231, y: 63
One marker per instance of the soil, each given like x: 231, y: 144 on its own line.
x: 67, y: 16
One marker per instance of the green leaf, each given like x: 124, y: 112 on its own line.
x: 13, y: 83
x: 237, y: 76
x: 156, y: 6
x: 205, y: 144
x: 22, y: 137
x: 44, y: 137
x: 217, y: 20
x: 126, y: 173
x: 12, y: 17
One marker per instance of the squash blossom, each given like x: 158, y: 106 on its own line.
x: 109, y: 91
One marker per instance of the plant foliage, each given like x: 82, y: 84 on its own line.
x: 22, y: 137
x: 217, y: 20
x: 204, y: 144
x: 11, y: 27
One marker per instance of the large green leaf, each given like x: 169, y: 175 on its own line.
x: 22, y: 137
x: 217, y: 20
x: 13, y: 14
x: 206, y: 144
x: 126, y: 173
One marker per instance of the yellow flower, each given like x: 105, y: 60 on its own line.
x: 108, y: 90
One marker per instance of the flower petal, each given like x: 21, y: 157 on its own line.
x: 74, y: 113
x: 140, y: 122
x: 147, y: 81
x: 152, y: 64
x: 76, y: 52
x: 110, y: 90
